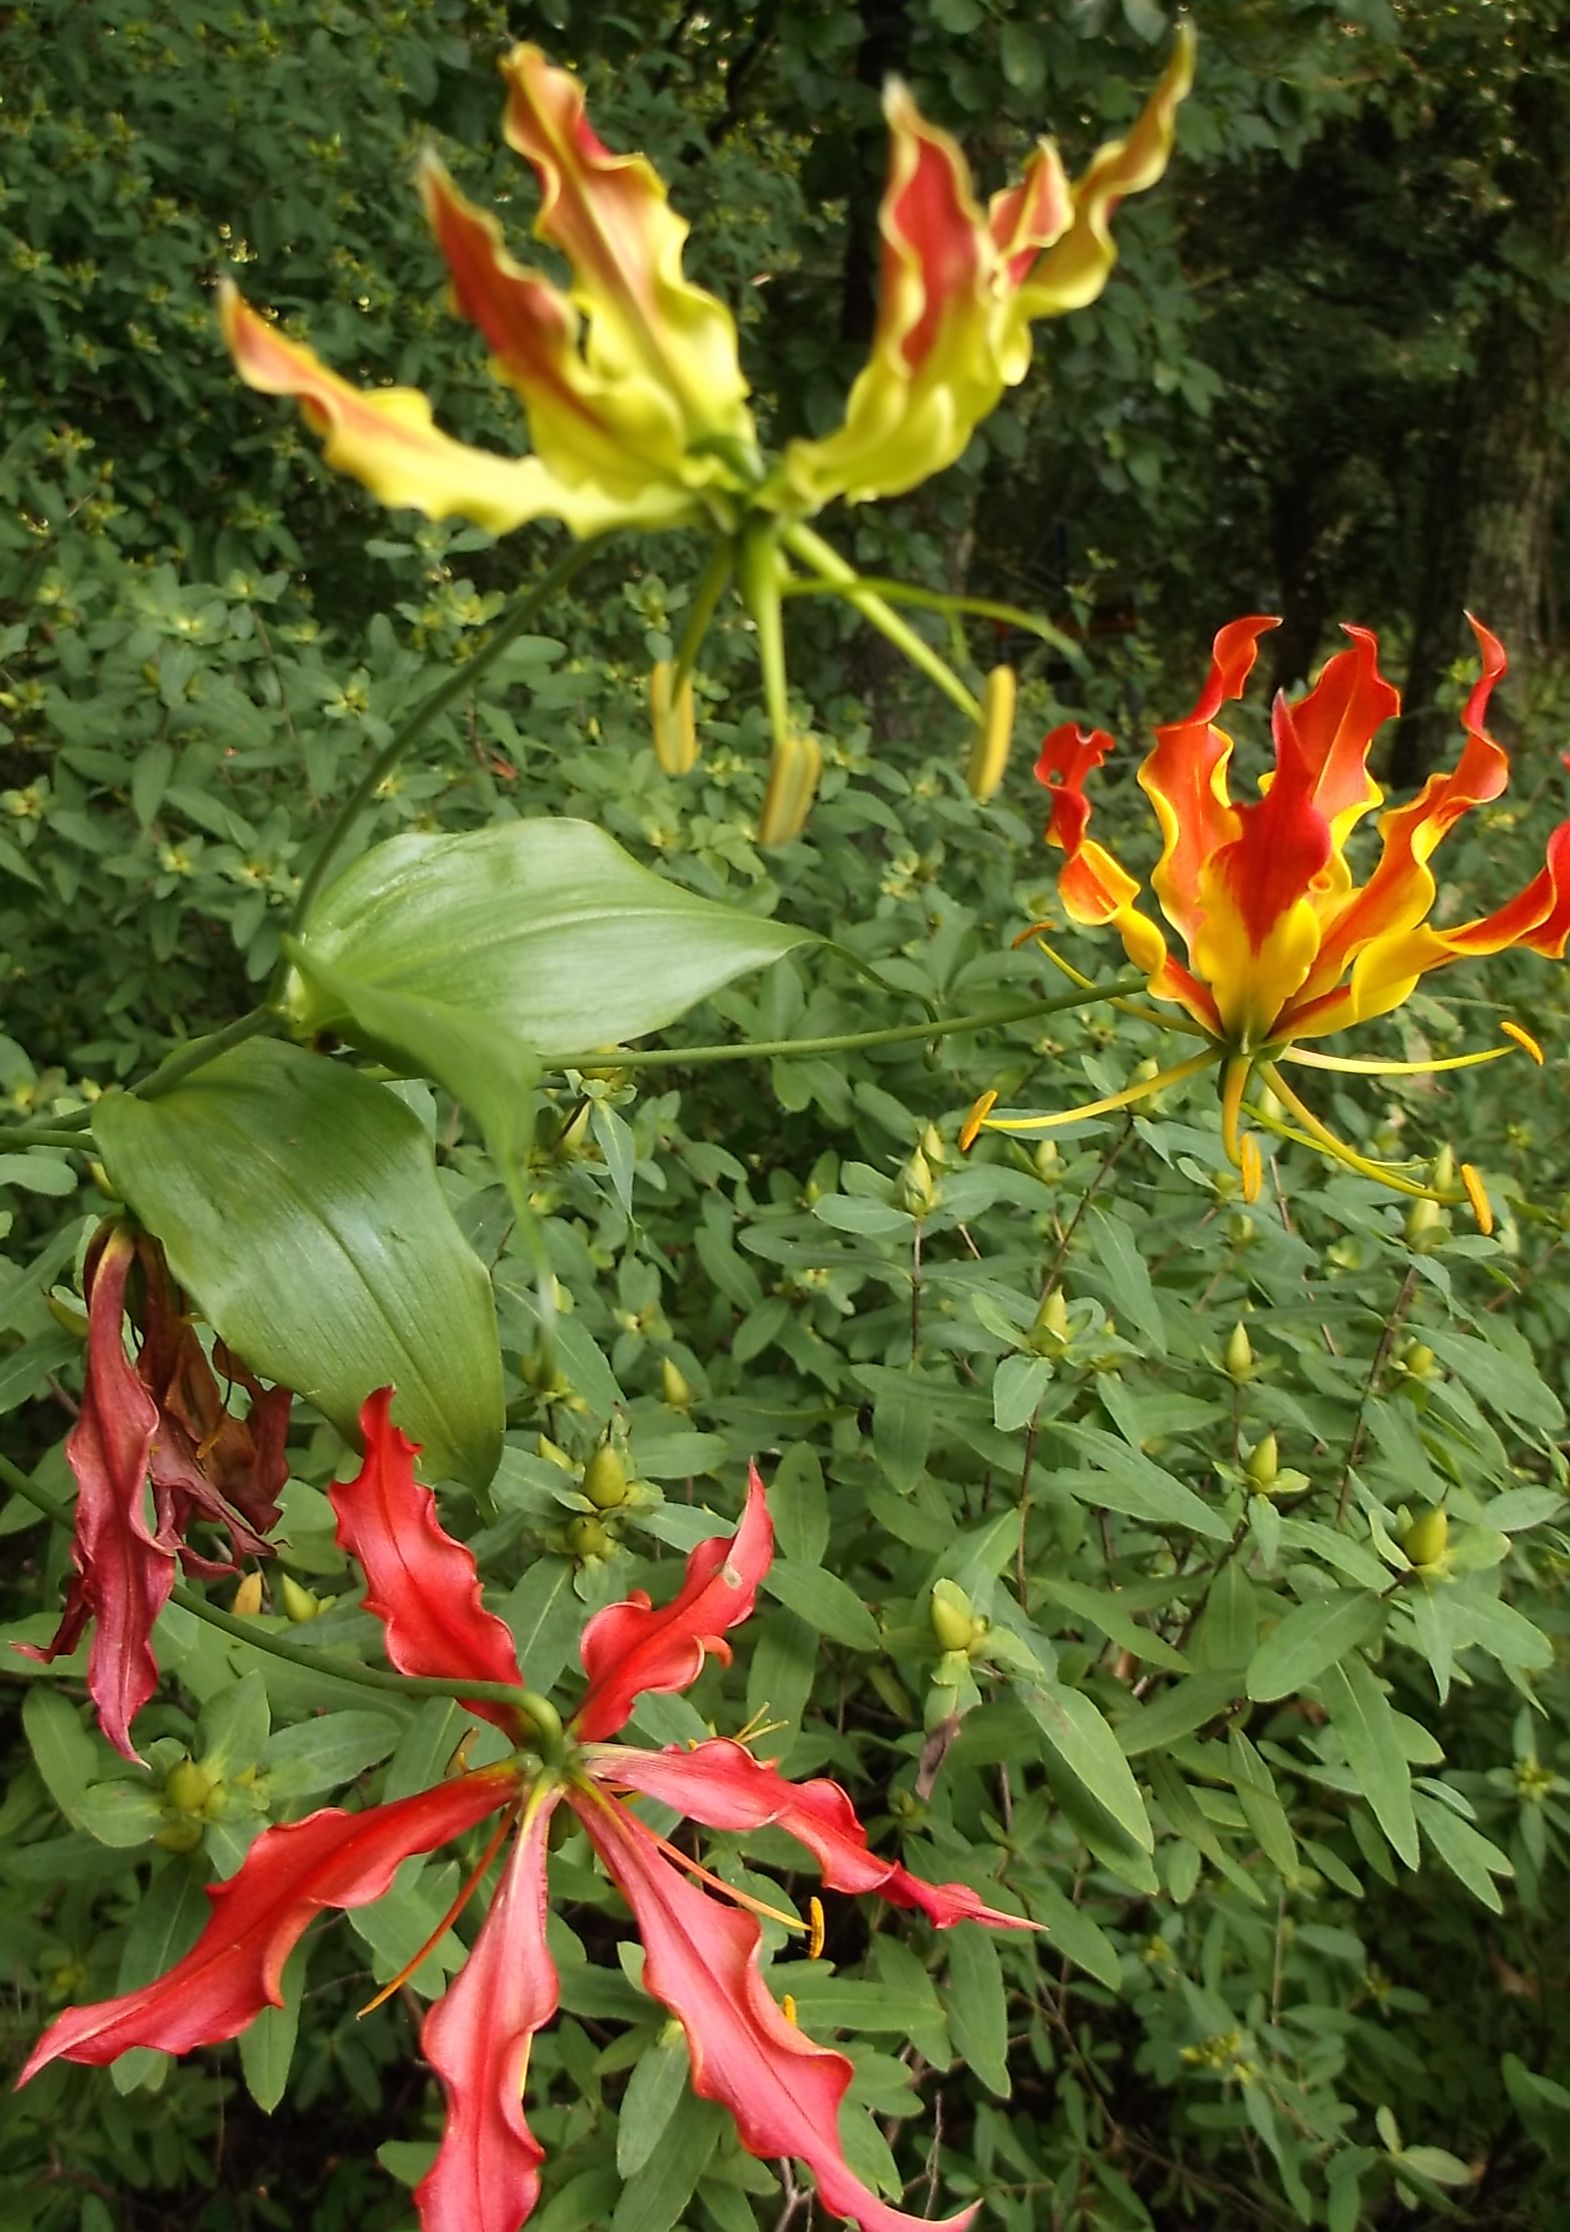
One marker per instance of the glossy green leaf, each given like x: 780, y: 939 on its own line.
x: 543, y: 933
x: 824, y: 1601
x: 298, y: 1204
x: 1086, y: 1748
x: 1311, y: 1637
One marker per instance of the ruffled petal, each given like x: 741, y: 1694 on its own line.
x: 608, y: 214
x: 331, y: 1859
x: 702, y: 1962
x: 477, y: 2038
x: 386, y: 438
x: 629, y: 1648
x: 420, y: 1584
x: 124, y: 1570
x: 724, y: 1787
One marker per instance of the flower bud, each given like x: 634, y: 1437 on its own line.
x: 1418, y: 1360
x: 247, y: 1598
x: 1425, y: 1539
x: 793, y: 783
x: 674, y: 1389
x: 1426, y: 1225
x: 933, y: 1145
x: 1238, y: 1357
x: 673, y: 720
x: 953, y: 1617
x: 297, y: 1604
x: 187, y: 1787
x: 588, y: 1537
x: 179, y: 1836
x: 1444, y: 1175
x: 914, y: 1188
x: 1047, y: 1156
x: 989, y: 750
x: 605, y: 1479
x: 1049, y: 1332
x: 1264, y: 1462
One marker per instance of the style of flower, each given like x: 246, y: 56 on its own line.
x: 701, y: 1955
x: 1283, y: 945
x: 631, y: 381
x: 165, y: 1421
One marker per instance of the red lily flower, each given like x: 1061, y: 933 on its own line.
x: 1283, y: 945
x: 702, y: 1957
x: 164, y: 1420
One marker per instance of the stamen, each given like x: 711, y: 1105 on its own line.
x: 1358, y: 1066
x: 1323, y: 1140
x: 1141, y: 1090
x: 1477, y: 1195
x: 754, y: 1730
x: 970, y: 1129
x: 788, y: 2009
x: 1523, y: 1039
x: 814, y: 1928
x: 1187, y: 1023
x: 465, y: 1894
x: 1234, y: 1084
x: 718, y: 1883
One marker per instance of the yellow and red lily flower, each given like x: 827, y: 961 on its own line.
x: 162, y: 1421
x: 631, y: 380
x: 702, y: 1955
x: 1282, y: 944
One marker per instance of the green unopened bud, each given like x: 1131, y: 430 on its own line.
x: 933, y: 1145
x: 673, y: 719
x: 187, y: 1787
x: 297, y: 1604
x: 1264, y: 1462
x: 1047, y: 1156
x: 1426, y: 1224
x: 1444, y: 1178
x: 553, y: 1453
x: 914, y: 1188
x: 1418, y: 1360
x: 179, y: 1836
x: 673, y: 1386
x: 1424, y: 1541
x: 69, y: 1319
x: 605, y: 1479
x: 1049, y: 1332
x: 247, y: 1598
x: 1238, y: 1357
x: 953, y: 1617
x: 589, y: 1538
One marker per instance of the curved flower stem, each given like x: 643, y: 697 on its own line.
x: 712, y: 584
x: 48, y: 1135
x: 759, y: 1050
x: 940, y: 600
x: 456, y: 685
x: 249, y: 1630
x: 839, y: 575
x: 196, y: 1053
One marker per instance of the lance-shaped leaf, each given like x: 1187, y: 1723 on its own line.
x: 486, y: 2174
x: 724, y: 1787
x: 233, y: 1971
x: 543, y: 932
x: 702, y: 1961
x: 632, y: 1647
x: 298, y: 1203
x: 421, y: 1584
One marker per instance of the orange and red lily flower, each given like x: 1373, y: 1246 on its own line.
x: 701, y: 1955
x: 1282, y: 944
x: 631, y: 380
x: 162, y: 1421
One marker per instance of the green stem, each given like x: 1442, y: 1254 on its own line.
x: 456, y: 685
x: 195, y: 1054
x: 46, y: 1135
x: 825, y: 561
x: 711, y: 587
x: 40, y: 1135
x: 759, y: 1050
x: 252, y: 1632
x: 940, y: 600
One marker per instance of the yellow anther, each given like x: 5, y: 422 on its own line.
x: 814, y: 1928
x: 1524, y: 1040
x: 1477, y: 1195
x: 788, y: 2010
x: 1252, y: 1166
x: 673, y: 720
x: 969, y: 1130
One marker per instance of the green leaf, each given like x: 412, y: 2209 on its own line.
x: 658, y: 2080
x: 1128, y: 1279
x: 1126, y: 1480
x: 1505, y: 1378
x: 1470, y: 1856
x: 657, y: 2196
x: 798, y: 1504
x: 825, y: 1602
x: 977, y: 2007
x: 298, y: 1203
x: 1088, y: 1751
x: 545, y: 1617
x: 1105, y: 1609
x: 1311, y: 1637
x: 267, y: 2043
x: 1177, y: 1712
x: 543, y: 933
x: 165, y: 1924
x: 1265, y: 1814
x: 1362, y: 1717
x: 321, y: 1754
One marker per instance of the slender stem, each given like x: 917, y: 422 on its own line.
x: 69, y: 1121
x: 940, y: 600
x: 461, y: 680
x: 897, y: 1034
x: 1381, y: 1357
x: 47, y: 1135
x: 195, y: 1054
x: 297, y: 1654
x: 830, y: 568
x: 711, y: 587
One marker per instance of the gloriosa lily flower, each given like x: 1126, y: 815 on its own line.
x: 701, y: 1954
x: 632, y: 386
x: 164, y: 1421
x: 1283, y: 944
